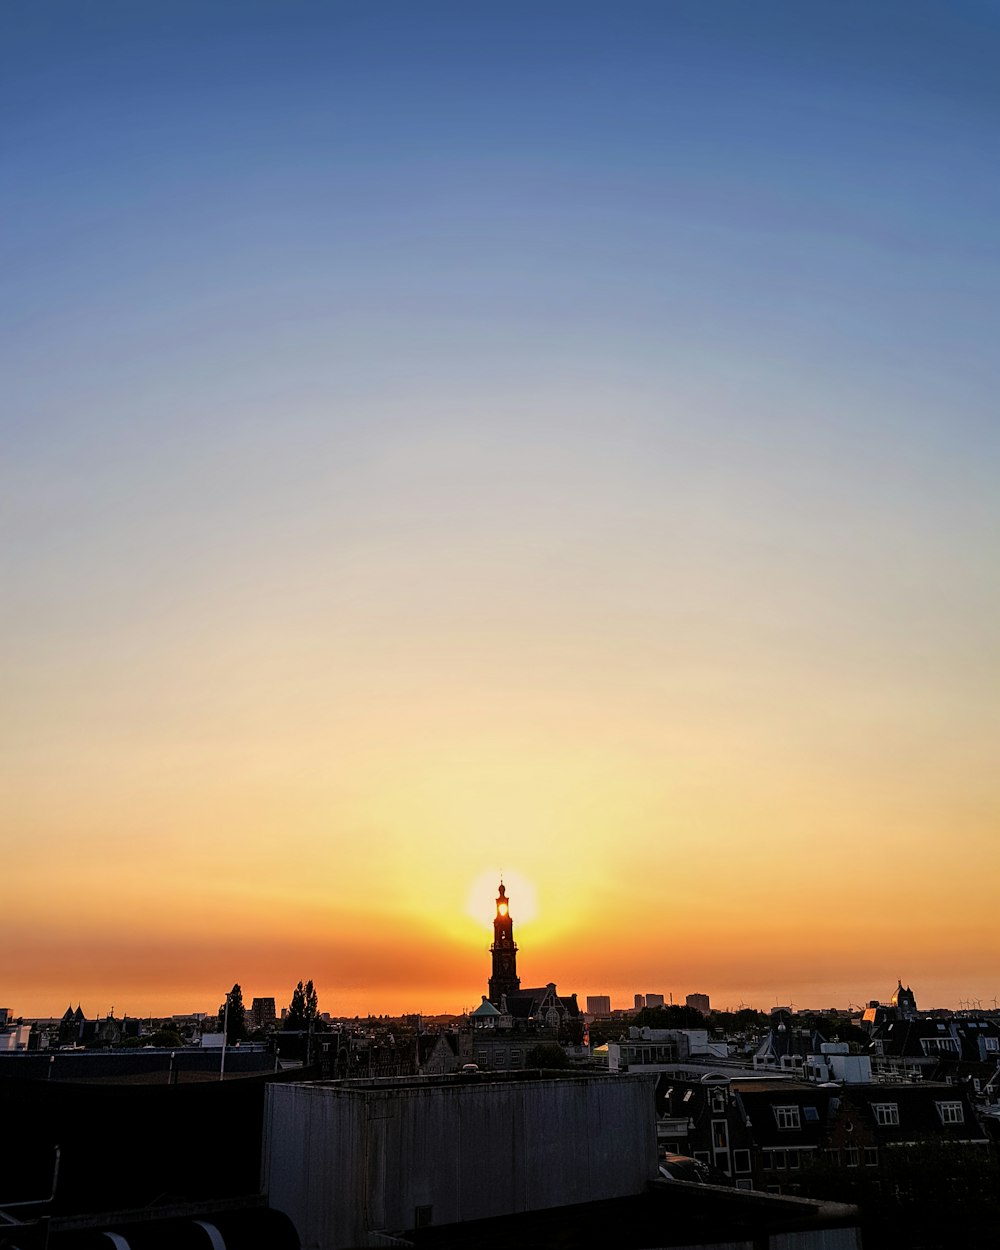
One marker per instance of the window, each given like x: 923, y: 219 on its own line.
x: 718, y: 1100
x: 886, y: 1113
x: 767, y: 1159
x: 852, y: 1156
x: 780, y: 1161
x: 483, y: 1058
x: 810, y: 1115
x: 793, y: 1159
x: 516, y: 1058
x: 871, y: 1156
x: 741, y: 1160
x: 951, y: 1112
x: 832, y: 1156
x: 787, y: 1117
x: 720, y: 1139
x: 940, y: 1045
x: 501, y: 1058
x: 991, y: 1043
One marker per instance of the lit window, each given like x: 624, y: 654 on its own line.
x: 886, y: 1113
x: 787, y: 1117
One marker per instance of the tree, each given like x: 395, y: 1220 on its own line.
x: 546, y: 1055
x: 165, y: 1039
x: 236, y: 1028
x: 674, y: 1016
x: 304, y: 1007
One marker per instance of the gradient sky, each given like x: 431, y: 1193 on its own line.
x: 445, y: 438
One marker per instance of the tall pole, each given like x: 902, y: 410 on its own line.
x: 225, y: 1033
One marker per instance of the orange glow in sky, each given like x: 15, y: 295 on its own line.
x: 444, y: 444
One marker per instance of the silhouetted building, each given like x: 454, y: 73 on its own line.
x: 495, y: 1036
x: 902, y: 1006
x: 700, y: 1003
x: 598, y: 1005
x: 905, y: 1002
x: 504, y: 950
x: 262, y: 1014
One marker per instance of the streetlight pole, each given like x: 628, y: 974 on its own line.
x: 225, y: 1032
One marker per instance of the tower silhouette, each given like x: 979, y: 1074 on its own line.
x: 504, y: 950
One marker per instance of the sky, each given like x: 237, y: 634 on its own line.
x: 442, y: 440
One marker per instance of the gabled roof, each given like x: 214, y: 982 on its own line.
x: 428, y: 1043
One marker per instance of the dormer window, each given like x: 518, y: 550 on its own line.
x: 951, y: 1112
x: 787, y: 1117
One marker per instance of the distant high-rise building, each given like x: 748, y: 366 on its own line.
x: 598, y: 1005
x: 504, y: 951
x: 699, y: 1002
x: 654, y: 1000
x: 640, y: 1001
x: 262, y: 1014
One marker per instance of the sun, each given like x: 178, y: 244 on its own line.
x: 481, y: 900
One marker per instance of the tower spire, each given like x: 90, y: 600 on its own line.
x: 504, y: 951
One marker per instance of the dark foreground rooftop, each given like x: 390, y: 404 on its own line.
x: 671, y: 1214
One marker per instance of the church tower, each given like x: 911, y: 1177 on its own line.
x: 504, y: 951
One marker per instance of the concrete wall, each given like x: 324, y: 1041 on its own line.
x: 346, y: 1160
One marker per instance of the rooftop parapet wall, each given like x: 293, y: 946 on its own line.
x: 345, y: 1161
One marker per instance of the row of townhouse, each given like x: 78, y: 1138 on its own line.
x: 764, y: 1132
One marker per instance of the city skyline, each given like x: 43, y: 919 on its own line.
x: 441, y: 441
x: 624, y: 996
